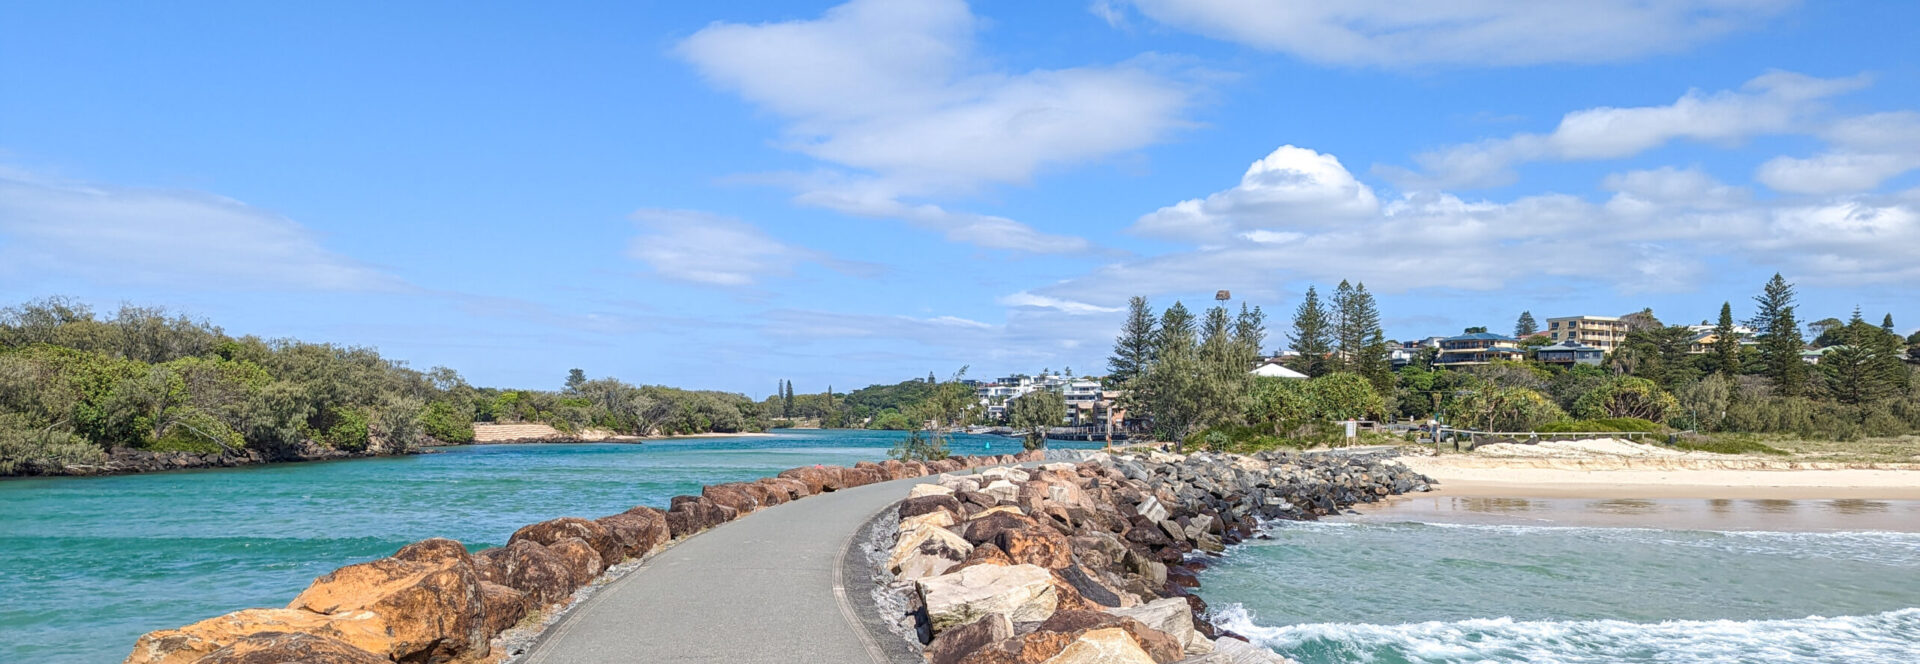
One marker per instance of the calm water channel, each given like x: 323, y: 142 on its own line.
x: 89, y: 564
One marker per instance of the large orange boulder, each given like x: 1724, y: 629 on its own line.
x: 504, y: 606
x: 1031, y: 648
x: 364, y: 630
x: 815, y: 477
x: 284, y: 647
x: 692, y: 514
x: 554, y: 530
x: 638, y: 534
x: 731, y: 495
x: 428, y: 594
x: 583, y: 563
x: 792, y: 488
x: 1038, y: 545
x: 529, y: 568
x: 1162, y: 647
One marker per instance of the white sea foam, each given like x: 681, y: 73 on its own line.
x: 1892, y: 637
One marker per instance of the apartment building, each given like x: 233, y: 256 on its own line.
x: 1478, y: 348
x: 1602, y: 332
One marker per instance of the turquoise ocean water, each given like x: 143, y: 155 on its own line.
x: 1389, y: 592
x: 89, y: 564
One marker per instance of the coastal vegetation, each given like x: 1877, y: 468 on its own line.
x: 77, y: 388
x: 1855, y: 380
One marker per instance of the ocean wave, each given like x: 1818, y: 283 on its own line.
x: 1892, y: 637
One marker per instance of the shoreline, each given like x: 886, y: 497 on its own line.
x: 1532, y: 478
x: 622, y: 440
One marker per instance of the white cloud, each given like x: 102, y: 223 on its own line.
x: 125, y: 235
x: 1658, y: 232
x: 1396, y: 33
x: 1293, y: 187
x: 1777, y: 102
x: 1651, y: 189
x: 1864, y: 152
x: 706, y: 248
x: 1026, y: 299
x: 891, y: 91
x: 966, y: 227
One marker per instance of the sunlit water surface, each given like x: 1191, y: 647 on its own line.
x: 89, y: 564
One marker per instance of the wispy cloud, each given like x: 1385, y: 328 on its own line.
x: 1774, y: 103
x: 891, y: 93
x: 127, y: 235
x: 710, y: 249
x: 1394, y: 33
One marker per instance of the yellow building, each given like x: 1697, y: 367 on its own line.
x: 1602, y: 332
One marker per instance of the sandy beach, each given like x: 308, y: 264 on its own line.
x: 1732, y: 478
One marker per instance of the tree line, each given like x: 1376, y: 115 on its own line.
x: 1860, y: 386
x: 75, y: 386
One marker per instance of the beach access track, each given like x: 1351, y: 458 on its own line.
x: 767, y: 587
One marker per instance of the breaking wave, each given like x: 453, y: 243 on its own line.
x: 1892, y: 637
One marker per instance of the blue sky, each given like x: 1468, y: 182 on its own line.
x: 722, y: 195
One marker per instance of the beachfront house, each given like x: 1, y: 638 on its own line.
x: 1569, y: 353
x: 1273, y: 369
x: 1478, y: 348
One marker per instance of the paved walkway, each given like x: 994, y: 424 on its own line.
x: 763, y: 588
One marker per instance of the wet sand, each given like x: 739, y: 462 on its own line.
x: 1774, y: 514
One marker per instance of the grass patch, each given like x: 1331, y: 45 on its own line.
x: 1884, y: 449
x: 1728, y: 444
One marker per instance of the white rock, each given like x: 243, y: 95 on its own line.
x: 1062, y: 467
x: 958, y: 483
x: 936, y: 519
x: 926, y: 551
x: 1002, y: 490
x: 1023, y: 593
x: 1009, y: 509
x: 1235, y: 651
x: 1153, y: 510
x: 1015, y: 475
x: 1172, y: 616
x: 920, y: 490
x: 1102, y: 646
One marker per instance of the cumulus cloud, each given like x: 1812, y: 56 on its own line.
x: 1292, y: 187
x: 891, y: 93
x: 1394, y: 33
x: 126, y: 235
x: 1657, y: 233
x: 1777, y: 102
x: 705, y: 248
x: 1864, y: 151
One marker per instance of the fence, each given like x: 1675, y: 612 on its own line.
x: 1444, y: 433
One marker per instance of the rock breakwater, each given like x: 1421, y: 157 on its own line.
x: 433, y: 601
x: 1097, y: 561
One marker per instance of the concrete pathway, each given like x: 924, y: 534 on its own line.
x: 764, y: 588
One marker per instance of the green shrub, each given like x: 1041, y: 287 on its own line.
x: 349, y: 430
x: 1605, y: 424
x: 1504, y: 409
x: 21, y: 444
x: 199, y: 433
x: 1627, y: 396
x: 443, y: 421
